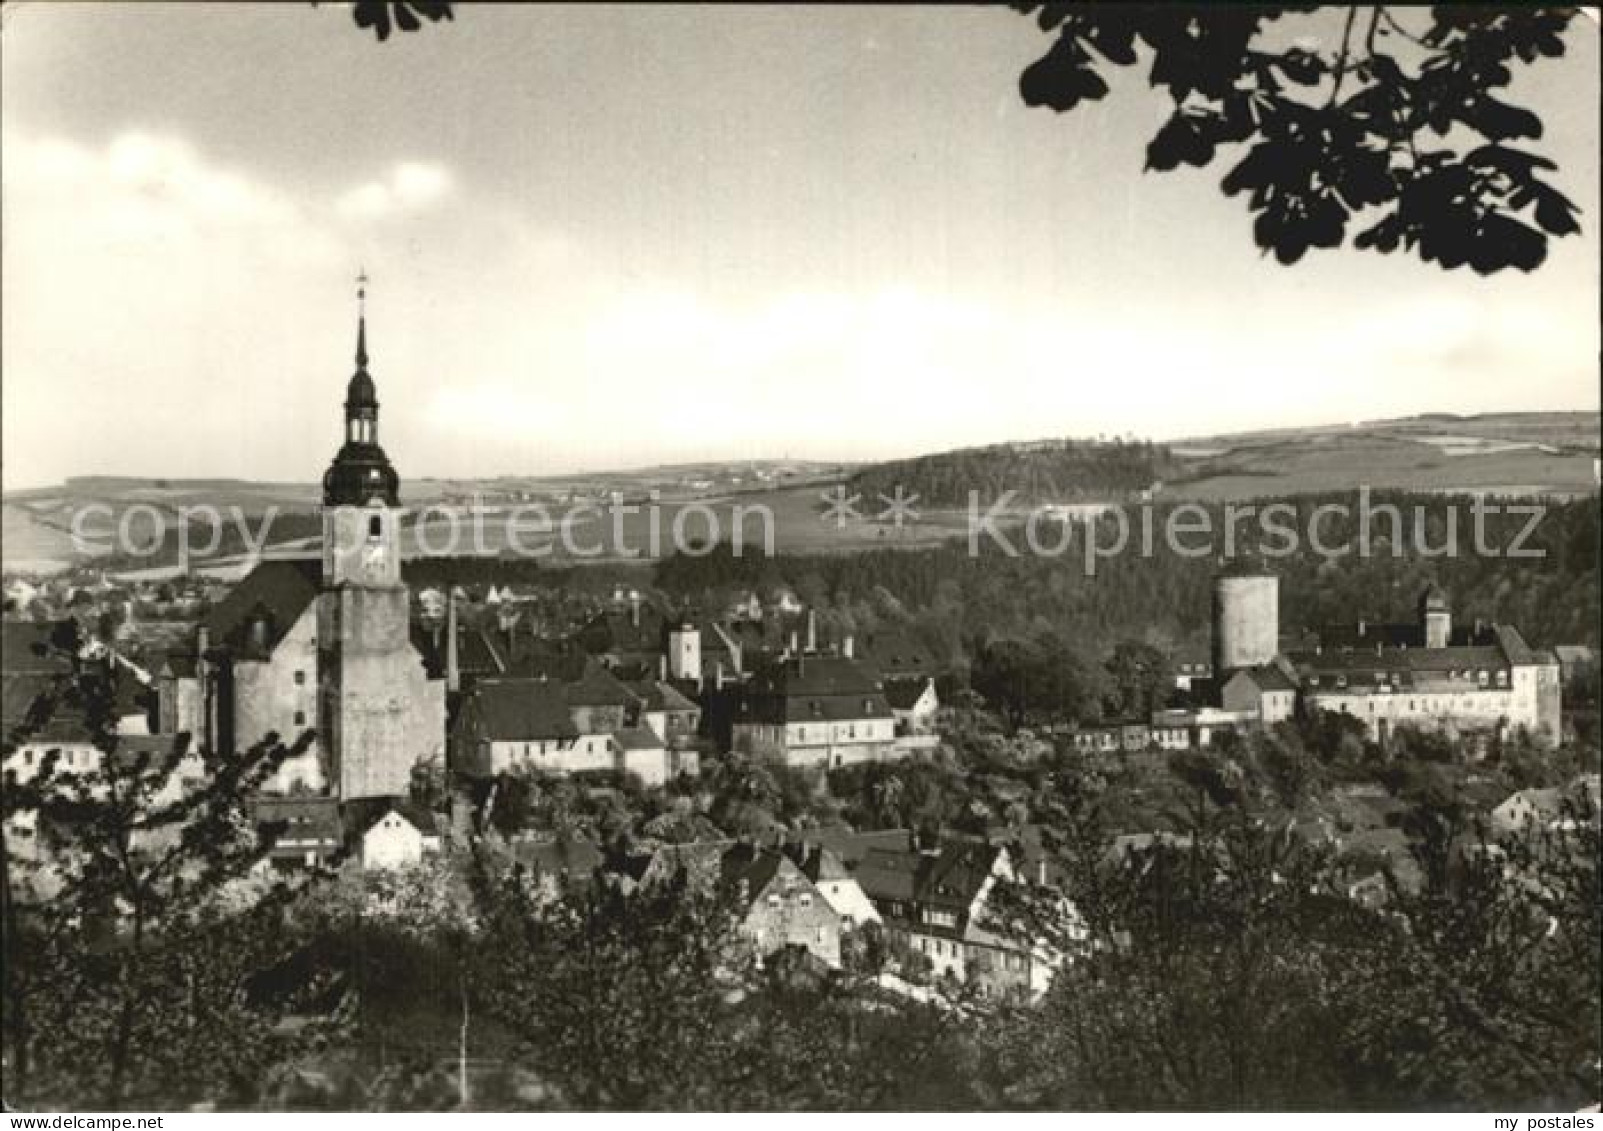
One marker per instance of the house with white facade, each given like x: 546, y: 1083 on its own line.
x: 815, y: 711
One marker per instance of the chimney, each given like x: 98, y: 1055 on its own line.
x: 848, y: 646
x: 812, y: 629
x: 453, y: 678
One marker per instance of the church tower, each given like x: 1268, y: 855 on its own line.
x: 375, y: 704
x: 361, y: 501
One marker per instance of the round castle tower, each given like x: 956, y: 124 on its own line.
x: 1246, y: 621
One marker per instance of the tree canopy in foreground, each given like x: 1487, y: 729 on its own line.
x: 1388, y: 124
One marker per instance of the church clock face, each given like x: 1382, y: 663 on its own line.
x: 373, y: 560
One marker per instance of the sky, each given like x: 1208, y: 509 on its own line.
x: 604, y: 238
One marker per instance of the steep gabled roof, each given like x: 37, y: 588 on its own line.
x: 896, y: 653
x: 956, y: 875
x: 302, y: 819
x: 700, y: 861
x: 853, y: 847
x: 597, y: 687
x: 517, y: 710
x: 755, y: 868
x: 19, y: 691
x: 904, y: 693
x: 1514, y: 646
x: 363, y: 816
x: 1410, y: 664
x: 637, y: 738
x: 1265, y: 677
x: 657, y: 695
x: 817, y: 863
x: 885, y: 873
x: 278, y: 591
x: 819, y: 688
x: 31, y: 646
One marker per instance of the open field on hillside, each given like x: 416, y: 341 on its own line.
x: 1504, y: 454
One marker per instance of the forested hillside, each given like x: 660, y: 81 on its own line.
x: 1051, y: 471
x: 957, y: 602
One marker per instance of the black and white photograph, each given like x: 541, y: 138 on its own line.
x: 784, y: 558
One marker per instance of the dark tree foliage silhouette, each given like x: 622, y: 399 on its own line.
x: 126, y: 958
x: 1394, y: 127
x: 651, y: 1000
x: 1230, y: 968
x: 408, y: 15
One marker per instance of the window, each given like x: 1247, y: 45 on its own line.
x: 300, y: 678
x: 375, y: 527
x: 300, y: 718
x: 805, y: 899
x: 773, y: 899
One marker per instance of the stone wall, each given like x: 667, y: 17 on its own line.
x: 381, y: 713
x: 279, y: 694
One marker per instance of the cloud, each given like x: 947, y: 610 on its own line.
x: 410, y: 186
x: 147, y: 283
x: 144, y: 193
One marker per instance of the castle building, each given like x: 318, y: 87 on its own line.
x: 320, y: 651
x: 1473, y: 681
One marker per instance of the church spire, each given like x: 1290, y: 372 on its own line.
x: 360, y: 472
x: 361, y: 322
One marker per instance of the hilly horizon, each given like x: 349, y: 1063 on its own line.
x: 1506, y: 454
x: 1561, y: 430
